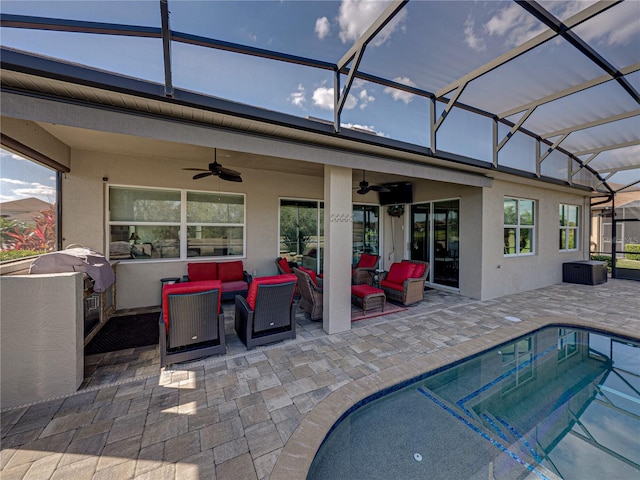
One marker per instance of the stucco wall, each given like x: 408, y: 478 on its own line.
x: 397, y: 230
x: 32, y: 135
x: 42, y: 336
x: 484, y: 271
x: 506, y: 275
x: 138, y: 285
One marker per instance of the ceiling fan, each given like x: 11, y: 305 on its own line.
x: 364, y: 187
x: 217, y: 170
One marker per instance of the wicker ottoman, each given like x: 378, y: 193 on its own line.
x: 367, y: 297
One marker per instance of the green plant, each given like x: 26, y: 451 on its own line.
x: 632, y: 247
x: 40, y: 238
x: 395, y: 210
x: 8, y: 255
x: 603, y: 258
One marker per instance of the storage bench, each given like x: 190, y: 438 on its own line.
x: 586, y: 272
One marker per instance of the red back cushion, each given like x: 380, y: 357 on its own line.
x: 199, y: 272
x: 230, y: 271
x: 367, y: 260
x: 273, y: 280
x: 419, y: 269
x: 187, y: 287
x: 399, y: 272
x: 312, y: 274
x: 284, y: 265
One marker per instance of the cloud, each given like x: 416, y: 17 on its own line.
x: 366, y: 128
x: 618, y: 27
x: 471, y: 38
x: 322, y: 27
x: 355, y: 16
x: 365, y: 99
x: 323, y: 98
x: 19, y: 189
x: 299, y: 97
x: 401, y: 95
x: 13, y: 181
x: 515, y: 24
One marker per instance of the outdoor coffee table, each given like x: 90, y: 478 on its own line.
x: 367, y: 297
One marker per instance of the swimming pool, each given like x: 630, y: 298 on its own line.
x: 559, y: 403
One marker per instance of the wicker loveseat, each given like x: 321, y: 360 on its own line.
x: 235, y: 280
x: 404, y: 282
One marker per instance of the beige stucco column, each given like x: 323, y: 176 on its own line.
x: 338, y: 224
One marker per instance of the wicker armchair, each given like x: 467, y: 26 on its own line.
x: 364, y: 271
x: 191, y: 323
x: 404, y: 282
x: 284, y: 266
x: 310, y: 295
x: 266, y: 315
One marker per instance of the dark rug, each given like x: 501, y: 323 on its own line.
x: 129, y: 331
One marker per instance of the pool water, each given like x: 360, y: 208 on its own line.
x: 559, y: 403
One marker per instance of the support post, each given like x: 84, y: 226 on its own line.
x: 338, y: 238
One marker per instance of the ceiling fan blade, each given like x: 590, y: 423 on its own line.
x: 206, y: 173
x: 379, y: 188
x: 227, y: 171
x: 230, y: 178
x: 363, y: 191
x: 196, y: 169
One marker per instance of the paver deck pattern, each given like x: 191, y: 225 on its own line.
x: 262, y: 413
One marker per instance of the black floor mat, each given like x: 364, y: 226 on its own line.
x: 120, y: 333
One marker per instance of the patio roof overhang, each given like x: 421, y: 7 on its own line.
x: 587, y: 137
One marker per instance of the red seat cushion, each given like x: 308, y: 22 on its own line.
x: 284, y: 265
x: 201, y: 271
x: 187, y: 287
x: 364, y: 290
x: 399, y: 272
x: 272, y: 280
x: 392, y: 285
x: 367, y: 260
x: 230, y: 271
x: 235, y: 286
x: 312, y: 274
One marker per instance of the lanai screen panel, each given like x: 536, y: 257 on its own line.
x: 282, y: 56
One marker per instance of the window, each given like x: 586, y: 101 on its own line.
x: 569, y: 227
x: 519, y: 226
x: 29, y: 220
x: 517, y: 363
x: 148, y: 223
x: 567, y: 343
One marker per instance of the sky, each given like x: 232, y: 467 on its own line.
x: 429, y: 44
x: 20, y: 179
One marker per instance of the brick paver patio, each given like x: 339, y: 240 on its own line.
x: 263, y: 413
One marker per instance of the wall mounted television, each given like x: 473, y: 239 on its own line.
x: 400, y: 193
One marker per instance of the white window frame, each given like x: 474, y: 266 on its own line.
x: 182, y: 224
x: 568, y: 228
x: 518, y: 227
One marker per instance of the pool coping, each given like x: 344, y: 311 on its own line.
x: 298, y: 453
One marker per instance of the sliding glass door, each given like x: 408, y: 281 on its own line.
x: 302, y: 232
x: 435, y: 239
x: 366, y: 231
